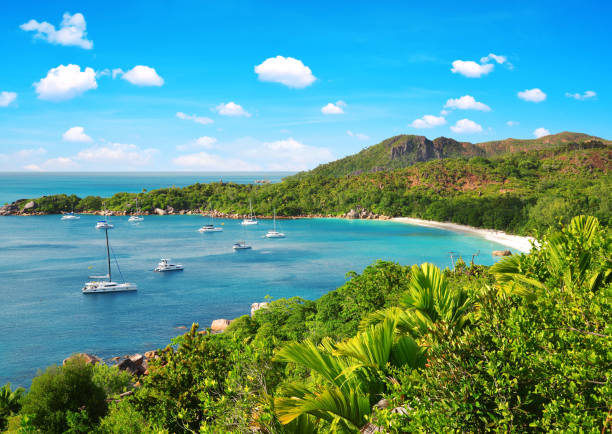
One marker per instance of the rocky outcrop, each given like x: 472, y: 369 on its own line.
x: 361, y: 213
x: 501, y: 253
x: 256, y: 306
x: 159, y: 211
x: 135, y: 364
x: 90, y: 359
x: 219, y: 325
x: 9, y: 209
x: 30, y: 206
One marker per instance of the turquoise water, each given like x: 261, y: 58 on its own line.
x: 45, y: 261
x: 21, y: 185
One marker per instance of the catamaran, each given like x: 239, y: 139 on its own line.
x: 136, y: 217
x: 252, y: 220
x: 210, y: 227
x: 274, y: 233
x: 241, y: 245
x: 165, y: 265
x: 105, y: 286
x: 104, y: 224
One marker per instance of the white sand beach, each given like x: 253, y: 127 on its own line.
x: 516, y: 242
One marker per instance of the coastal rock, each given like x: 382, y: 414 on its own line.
x: 219, y: 325
x: 135, y: 364
x: 352, y: 214
x: 9, y: 209
x: 151, y: 354
x: 256, y: 306
x: 90, y: 359
x: 170, y: 210
x: 501, y: 253
x: 31, y: 205
x: 159, y: 211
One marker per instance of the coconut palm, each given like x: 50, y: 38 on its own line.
x: 10, y: 402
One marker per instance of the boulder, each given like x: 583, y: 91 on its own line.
x: 151, y: 354
x: 256, y: 306
x: 9, y: 209
x: 159, y: 211
x: 135, y: 364
x: 352, y: 214
x: 219, y: 325
x: 170, y: 210
x: 501, y: 253
x: 31, y: 205
x: 90, y: 359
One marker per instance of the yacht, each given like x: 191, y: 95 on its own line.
x: 274, y: 233
x: 241, y: 245
x: 252, y: 220
x: 105, y: 286
x: 164, y: 265
x: 70, y: 216
x: 103, y: 224
x: 210, y: 228
x: 136, y: 217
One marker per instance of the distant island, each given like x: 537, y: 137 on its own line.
x: 519, y: 186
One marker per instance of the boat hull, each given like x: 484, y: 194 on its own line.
x: 105, y: 289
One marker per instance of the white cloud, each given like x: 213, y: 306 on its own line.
x: 444, y: 112
x: 72, y: 31
x: 532, y: 95
x: 118, y: 154
x: 203, y: 142
x: 491, y: 56
x: 8, y: 160
x: 33, y: 167
x: 142, y: 75
x: 117, y: 72
x: 512, y: 123
x: 76, y: 134
x: 59, y: 163
x: 428, y: 121
x: 540, y: 132
x: 231, y: 109
x: 285, y: 70
x: 469, y: 68
x: 581, y: 97
x: 466, y: 102
x: 197, y: 119
x: 466, y: 126
x: 288, y: 154
x: 6, y: 98
x: 333, y: 109
x: 65, y: 82
x: 359, y: 136
x: 213, y: 163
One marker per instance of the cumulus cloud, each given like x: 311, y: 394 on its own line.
x: 359, y: 136
x: 532, y: 95
x: 53, y: 164
x: 471, y: 69
x: 285, y: 70
x: 72, y: 31
x: 76, y: 134
x: 203, y: 142
x: 231, y: 109
x: 214, y: 163
x: 466, y: 126
x: 65, y: 82
x: 428, y: 121
x: 197, y: 119
x: 589, y: 94
x: 6, y: 98
x: 10, y: 161
x: 142, y: 75
x: 466, y: 102
x: 491, y: 56
x: 333, y: 109
x: 512, y: 123
x: 118, y: 154
x: 540, y: 132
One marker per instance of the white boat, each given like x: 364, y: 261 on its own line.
x: 164, y: 265
x: 274, y: 233
x: 210, y: 228
x: 252, y: 220
x: 241, y: 245
x: 70, y: 216
x: 106, y: 286
x: 103, y: 224
x: 136, y: 217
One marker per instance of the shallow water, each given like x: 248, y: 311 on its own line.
x: 45, y: 261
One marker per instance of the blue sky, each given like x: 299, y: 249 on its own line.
x: 349, y: 75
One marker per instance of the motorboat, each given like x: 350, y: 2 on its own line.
x: 102, y: 286
x: 103, y: 224
x: 210, y: 228
x: 70, y: 216
x: 251, y: 220
x: 241, y: 245
x: 274, y: 233
x: 165, y: 265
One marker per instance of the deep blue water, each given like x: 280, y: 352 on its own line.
x: 45, y: 261
x: 21, y: 185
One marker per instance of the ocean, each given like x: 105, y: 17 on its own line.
x: 27, y: 185
x: 45, y: 261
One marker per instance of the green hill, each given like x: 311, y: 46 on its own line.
x: 406, y: 150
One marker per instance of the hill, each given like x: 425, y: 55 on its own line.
x: 406, y: 150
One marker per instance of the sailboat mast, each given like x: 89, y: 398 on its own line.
x: 108, y: 256
x: 274, y: 219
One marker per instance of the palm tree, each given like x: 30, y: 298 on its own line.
x: 10, y: 401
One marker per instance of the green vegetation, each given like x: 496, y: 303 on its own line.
x: 520, y: 192
x: 524, y: 345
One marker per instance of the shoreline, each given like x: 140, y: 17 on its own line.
x: 516, y: 242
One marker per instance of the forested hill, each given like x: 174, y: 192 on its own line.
x: 405, y: 150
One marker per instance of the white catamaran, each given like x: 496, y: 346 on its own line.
x: 136, y: 217
x: 211, y: 227
x: 252, y: 220
x: 105, y: 286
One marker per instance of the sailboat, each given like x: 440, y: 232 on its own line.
x: 242, y: 244
x: 70, y: 216
x: 104, y: 224
x: 274, y: 233
x: 210, y: 227
x: 251, y: 220
x: 136, y: 217
x: 104, y: 286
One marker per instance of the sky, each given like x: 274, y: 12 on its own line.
x: 284, y: 86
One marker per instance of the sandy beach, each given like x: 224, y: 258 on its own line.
x: 516, y: 242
